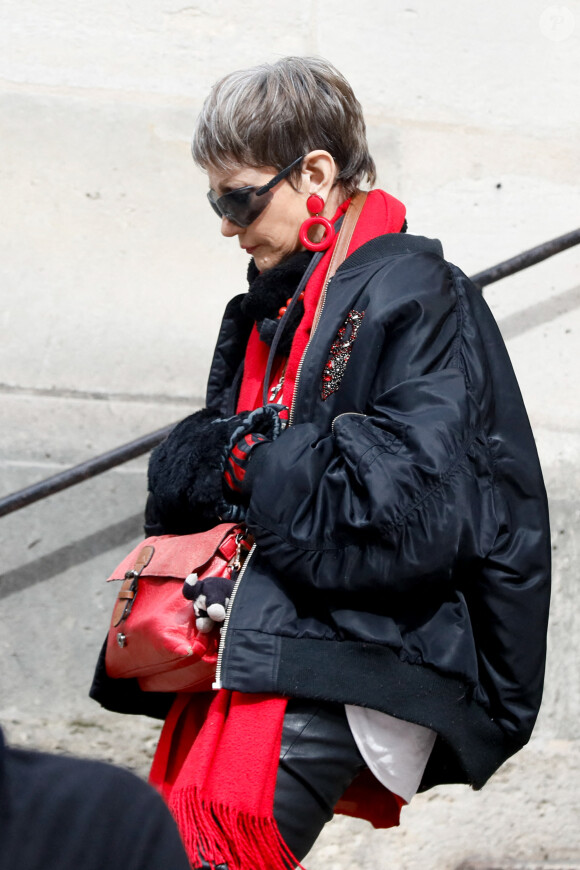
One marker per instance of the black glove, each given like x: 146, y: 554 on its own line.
x: 264, y: 421
x: 210, y: 599
x: 186, y: 470
x: 239, y: 460
x: 252, y: 429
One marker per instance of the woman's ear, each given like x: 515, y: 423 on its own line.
x: 319, y: 172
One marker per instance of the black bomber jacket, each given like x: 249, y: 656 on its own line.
x: 402, y: 557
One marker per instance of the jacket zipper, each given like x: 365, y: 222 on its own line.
x: 217, y: 684
x: 346, y: 414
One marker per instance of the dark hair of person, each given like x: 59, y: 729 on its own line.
x: 271, y: 114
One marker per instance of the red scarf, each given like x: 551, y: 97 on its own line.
x: 217, y: 759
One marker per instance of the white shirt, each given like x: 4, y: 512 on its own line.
x: 395, y: 751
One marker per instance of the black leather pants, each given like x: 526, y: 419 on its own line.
x: 318, y: 761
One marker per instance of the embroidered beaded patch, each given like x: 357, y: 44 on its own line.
x: 340, y: 352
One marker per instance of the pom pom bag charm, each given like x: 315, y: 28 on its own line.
x: 315, y: 205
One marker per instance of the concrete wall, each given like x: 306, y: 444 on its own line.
x: 114, y: 276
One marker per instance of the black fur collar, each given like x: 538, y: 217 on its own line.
x: 269, y: 291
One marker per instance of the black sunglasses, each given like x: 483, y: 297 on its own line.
x: 244, y: 205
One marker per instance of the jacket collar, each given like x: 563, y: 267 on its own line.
x: 391, y: 245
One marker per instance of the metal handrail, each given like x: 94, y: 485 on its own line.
x: 526, y: 259
x: 84, y: 471
x: 119, y: 455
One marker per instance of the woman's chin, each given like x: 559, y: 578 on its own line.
x: 265, y: 260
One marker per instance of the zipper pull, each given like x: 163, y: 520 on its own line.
x: 276, y: 390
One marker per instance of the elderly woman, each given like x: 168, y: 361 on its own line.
x: 387, y: 630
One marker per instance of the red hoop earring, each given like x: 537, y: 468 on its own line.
x: 315, y: 204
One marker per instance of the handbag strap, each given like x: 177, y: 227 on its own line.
x: 128, y: 590
x: 349, y: 222
x: 346, y: 230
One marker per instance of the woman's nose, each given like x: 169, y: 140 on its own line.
x: 229, y: 228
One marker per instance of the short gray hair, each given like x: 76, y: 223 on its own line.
x: 271, y: 114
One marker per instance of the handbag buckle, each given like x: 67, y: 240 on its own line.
x: 121, y: 639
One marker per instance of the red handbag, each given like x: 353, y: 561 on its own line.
x: 153, y: 635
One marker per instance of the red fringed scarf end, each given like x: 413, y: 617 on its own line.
x: 222, y: 835
x: 216, y: 766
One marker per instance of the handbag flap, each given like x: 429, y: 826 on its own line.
x: 177, y: 555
